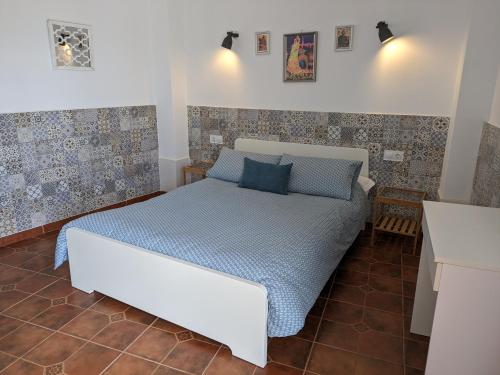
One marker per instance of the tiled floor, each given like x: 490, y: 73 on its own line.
x: 359, y: 325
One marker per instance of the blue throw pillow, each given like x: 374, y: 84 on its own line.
x: 334, y: 178
x: 229, y: 165
x: 265, y: 177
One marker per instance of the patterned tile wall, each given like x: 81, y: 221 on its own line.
x: 486, y: 188
x: 57, y: 164
x: 422, y: 138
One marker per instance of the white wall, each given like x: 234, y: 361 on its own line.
x: 474, y: 100
x: 495, y: 105
x: 416, y: 74
x: 122, y: 56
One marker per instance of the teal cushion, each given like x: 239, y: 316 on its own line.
x: 265, y: 177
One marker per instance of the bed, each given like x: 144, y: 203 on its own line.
x: 236, y: 265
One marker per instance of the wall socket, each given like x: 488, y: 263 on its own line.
x: 216, y: 139
x: 392, y: 155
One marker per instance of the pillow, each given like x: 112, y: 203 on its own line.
x: 265, y: 177
x: 320, y: 176
x: 229, y: 165
x: 366, y: 183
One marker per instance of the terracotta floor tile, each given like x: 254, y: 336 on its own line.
x: 192, y: 356
x: 347, y: 293
x: 11, y: 297
x: 11, y: 275
x: 408, y: 306
x: 108, y: 305
x: 410, y: 274
x: 62, y: 271
x: 384, y: 301
x: 384, y: 256
x: 318, y: 307
x: 354, y: 264
x: 343, y: 312
x: 4, y: 251
x: 327, y: 361
x: 164, y: 370
x: 92, y: 359
x: 359, y: 252
x: 411, y: 260
x: 289, y: 351
x: 384, y: 321
x: 139, y: 316
x: 128, y: 365
x: 310, y: 327
x: 5, y: 360
x: 87, y: 324
x: 35, y: 282
x: 57, y: 348
x: 225, y: 363
x: 119, y: 335
x: 43, y: 245
x: 277, y: 369
x: 409, y: 289
x: 57, y: 316
x: 37, y: 263
x: 386, y: 284
x: 17, y: 258
x: 24, y: 243
x: 385, y: 269
x: 7, y: 325
x: 23, y: 339
x: 381, y: 346
x: 413, y: 371
x: 351, y: 278
x: 61, y: 288
x: 82, y: 299
x: 168, y: 326
x: 372, y: 366
x: 154, y: 344
x: 416, y: 354
x: 24, y: 368
x: 29, y: 308
x: 340, y: 335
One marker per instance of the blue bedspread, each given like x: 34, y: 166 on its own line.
x: 289, y: 243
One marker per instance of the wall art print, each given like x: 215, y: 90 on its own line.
x: 343, y: 38
x: 70, y: 45
x: 300, y: 57
x: 263, y: 43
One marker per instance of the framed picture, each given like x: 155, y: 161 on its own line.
x: 343, y: 38
x: 299, y: 57
x: 70, y: 45
x: 263, y: 43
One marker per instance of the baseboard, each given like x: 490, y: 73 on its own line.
x: 57, y: 225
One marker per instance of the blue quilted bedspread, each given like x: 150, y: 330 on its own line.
x: 289, y: 243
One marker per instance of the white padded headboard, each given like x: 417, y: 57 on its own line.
x: 300, y: 149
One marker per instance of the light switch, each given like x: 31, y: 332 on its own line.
x: 393, y: 155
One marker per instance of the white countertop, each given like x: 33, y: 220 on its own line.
x: 464, y: 235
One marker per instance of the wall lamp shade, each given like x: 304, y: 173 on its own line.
x: 228, y: 40
x: 384, y: 33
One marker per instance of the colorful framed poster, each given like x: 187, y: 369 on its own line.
x: 263, y: 43
x: 343, y: 38
x: 299, y: 57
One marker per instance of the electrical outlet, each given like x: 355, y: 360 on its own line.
x: 392, y: 155
x: 216, y: 139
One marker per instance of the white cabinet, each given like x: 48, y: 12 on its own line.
x: 457, y: 300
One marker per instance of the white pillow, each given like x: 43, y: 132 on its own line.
x: 366, y: 183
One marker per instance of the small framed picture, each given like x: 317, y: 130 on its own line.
x: 299, y: 57
x: 343, y: 38
x: 263, y: 43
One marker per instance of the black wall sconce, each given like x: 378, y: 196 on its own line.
x: 228, y: 40
x: 384, y: 33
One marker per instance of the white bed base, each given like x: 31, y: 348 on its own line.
x: 222, y: 307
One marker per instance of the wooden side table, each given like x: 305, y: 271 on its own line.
x: 199, y: 169
x: 393, y: 223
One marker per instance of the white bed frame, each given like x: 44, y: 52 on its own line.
x: 222, y: 307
